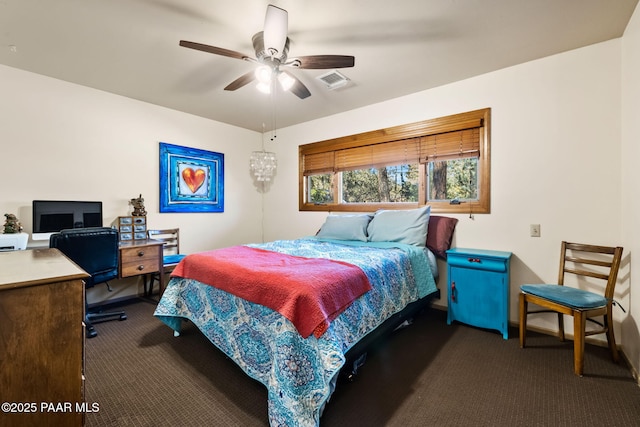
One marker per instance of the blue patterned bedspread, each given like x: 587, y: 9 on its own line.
x: 300, y: 373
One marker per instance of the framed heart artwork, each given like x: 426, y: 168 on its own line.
x: 191, y: 180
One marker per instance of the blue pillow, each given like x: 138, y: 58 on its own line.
x: 345, y: 227
x: 404, y: 226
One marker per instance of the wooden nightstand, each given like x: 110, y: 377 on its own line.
x: 138, y: 257
x: 478, y: 288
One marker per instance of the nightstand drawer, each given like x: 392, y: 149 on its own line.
x: 477, y: 263
x: 140, y: 266
x: 139, y: 260
x: 136, y: 254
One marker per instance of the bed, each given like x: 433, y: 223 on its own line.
x: 300, y: 363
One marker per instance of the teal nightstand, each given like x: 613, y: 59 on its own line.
x: 478, y: 288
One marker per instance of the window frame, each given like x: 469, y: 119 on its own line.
x: 480, y: 119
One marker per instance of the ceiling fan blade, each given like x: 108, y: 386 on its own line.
x: 241, y: 81
x: 321, y: 62
x: 214, y: 50
x: 276, y: 27
x: 298, y: 88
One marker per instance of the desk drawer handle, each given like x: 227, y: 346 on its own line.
x: 141, y: 253
x: 474, y: 260
x: 141, y: 267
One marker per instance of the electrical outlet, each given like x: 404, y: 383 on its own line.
x: 534, y: 230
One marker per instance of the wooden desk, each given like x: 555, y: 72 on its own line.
x: 41, y: 337
x: 138, y: 257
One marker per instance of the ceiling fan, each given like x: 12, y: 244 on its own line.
x: 271, y: 51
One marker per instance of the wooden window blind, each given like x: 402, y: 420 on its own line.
x: 443, y: 146
x: 451, y: 145
x: 316, y: 163
x: 378, y: 155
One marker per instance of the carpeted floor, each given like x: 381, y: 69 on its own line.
x: 429, y: 374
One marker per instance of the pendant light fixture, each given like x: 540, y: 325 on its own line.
x: 263, y: 163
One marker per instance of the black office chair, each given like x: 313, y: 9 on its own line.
x: 95, y: 250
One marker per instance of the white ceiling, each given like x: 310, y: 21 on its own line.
x: 130, y: 47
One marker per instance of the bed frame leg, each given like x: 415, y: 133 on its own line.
x: 178, y: 327
x: 357, y: 364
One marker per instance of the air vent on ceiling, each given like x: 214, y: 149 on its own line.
x: 333, y: 79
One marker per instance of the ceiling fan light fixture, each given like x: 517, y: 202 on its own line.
x: 263, y: 74
x: 286, y: 81
x: 264, y: 87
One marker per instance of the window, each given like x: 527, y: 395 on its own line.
x: 390, y: 184
x: 441, y: 162
x: 453, y: 180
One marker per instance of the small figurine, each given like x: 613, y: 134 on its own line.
x: 12, y: 225
x: 138, y: 206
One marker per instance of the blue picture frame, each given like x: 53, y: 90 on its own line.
x: 191, y: 180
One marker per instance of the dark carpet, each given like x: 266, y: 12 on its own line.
x: 428, y: 374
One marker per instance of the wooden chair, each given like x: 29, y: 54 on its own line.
x: 171, y: 253
x: 585, y: 261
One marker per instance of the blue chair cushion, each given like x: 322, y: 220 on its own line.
x: 172, y: 259
x: 572, y: 297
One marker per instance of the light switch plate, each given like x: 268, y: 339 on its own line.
x: 534, y: 230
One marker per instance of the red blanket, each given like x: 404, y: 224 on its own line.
x: 310, y: 292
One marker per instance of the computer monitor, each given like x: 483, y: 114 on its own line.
x: 51, y: 216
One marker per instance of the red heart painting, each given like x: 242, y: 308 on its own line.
x: 193, y: 178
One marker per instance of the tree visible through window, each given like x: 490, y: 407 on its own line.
x: 391, y: 184
x: 455, y: 180
x: 320, y: 189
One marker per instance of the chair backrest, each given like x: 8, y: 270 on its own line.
x: 600, y: 262
x: 94, y: 249
x: 170, y: 238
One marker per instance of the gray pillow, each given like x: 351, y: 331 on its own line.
x: 345, y: 227
x: 404, y: 226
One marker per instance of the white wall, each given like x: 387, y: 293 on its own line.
x: 631, y: 178
x: 67, y: 142
x: 555, y: 154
